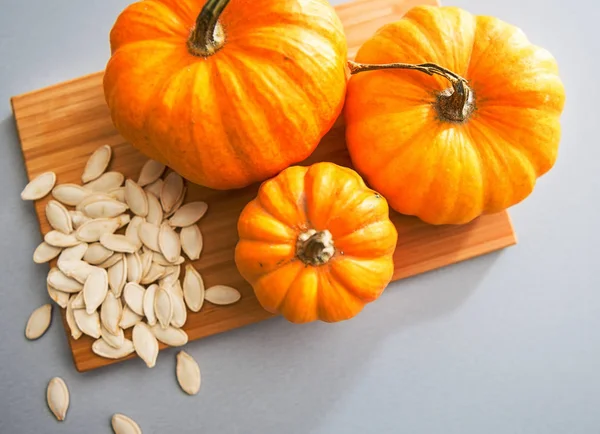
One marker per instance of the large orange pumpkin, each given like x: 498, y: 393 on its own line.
x: 466, y: 132
x: 226, y: 95
x: 316, y: 244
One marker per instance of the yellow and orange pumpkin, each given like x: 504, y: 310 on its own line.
x: 316, y: 244
x: 226, y: 93
x: 466, y: 127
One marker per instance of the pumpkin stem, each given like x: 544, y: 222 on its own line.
x: 454, y: 104
x: 208, y: 36
x: 315, y: 248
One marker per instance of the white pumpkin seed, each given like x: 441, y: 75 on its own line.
x: 108, y: 181
x: 191, y: 241
x: 151, y: 171
x: 95, y: 290
x: 146, y: 259
x: 91, y: 198
x: 96, y: 254
x: 129, y: 318
x: 112, y: 260
x: 155, y: 211
x: 118, y: 194
x: 172, y: 336
x: 148, y: 304
x: 78, y: 218
x: 117, y: 243
x: 156, y: 272
x: 134, y: 268
x: 58, y: 217
x: 89, y: 324
x: 97, y: 163
x: 148, y: 234
x: 179, y: 310
x: 78, y: 270
x: 92, y: 230
x: 168, y: 242
x: 38, y: 322
x: 188, y: 373
x: 171, y: 191
x: 74, y: 253
x: 122, y: 424
x: 136, y: 198
x: 60, y: 281
x: 104, y: 209
x: 39, y: 187
x: 103, y: 349
x: 134, y: 297
x: 117, y: 277
x: 57, y: 397
x: 172, y: 275
x: 59, y: 297
x: 122, y: 220
x: 70, y: 194
x: 59, y: 239
x: 45, y: 253
x: 155, y: 188
x: 222, y: 295
x: 193, y: 289
x: 111, y: 312
x: 132, y: 231
x: 114, y: 340
x: 76, y: 332
x: 77, y: 301
x: 188, y: 214
x: 145, y: 344
x: 159, y: 259
x: 177, y: 204
x: 163, y: 307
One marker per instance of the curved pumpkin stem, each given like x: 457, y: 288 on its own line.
x: 453, y: 105
x: 208, y: 36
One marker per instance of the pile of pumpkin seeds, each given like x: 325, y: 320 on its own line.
x: 120, y: 246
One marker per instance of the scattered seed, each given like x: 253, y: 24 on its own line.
x: 188, y: 373
x: 45, y: 253
x: 78, y: 270
x: 117, y: 277
x: 129, y: 318
x: 39, y: 187
x: 222, y: 295
x: 92, y: 230
x: 191, y: 241
x: 38, y: 322
x: 89, y: 324
x: 57, y: 396
x: 122, y: 220
x: 193, y: 289
x: 155, y: 211
x: 177, y: 204
x: 59, y: 297
x: 145, y: 344
x: 134, y: 268
x: 148, y: 234
x: 117, y: 243
x: 60, y: 281
x: 109, y: 208
x: 122, y: 424
x: 59, y: 239
x: 136, y: 198
x: 132, y: 231
x: 151, y: 171
x: 148, y: 304
x: 172, y: 336
x: 92, y: 198
x: 118, y: 194
x: 76, y: 332
x: 97, y: 164
x: 95, y: 290
x: 102, y: 348
x: 171, y: 191
x: 111, y: 312
x: 108, y: 181
x: 163, y: 307
x: 134, y: 297
x: 156, y: 272
x: 179, y: 311
x: 146, y: 259
x: 75, y: 253
x: 77, y: 301
x: 78, y: 218
x: 169, y: 243
x: 96, y: 254
x: 58, y: 217
x: 172, y: 275
x: 70, y: 194
x: 188, y: 214
x: 114, y: 340
x: 158, y: 258
x: 155, y: 188
x: 112, y: 260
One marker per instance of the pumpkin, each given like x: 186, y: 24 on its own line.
x: 465, y: 127
x: 316, y: 244
x: 226, y: 93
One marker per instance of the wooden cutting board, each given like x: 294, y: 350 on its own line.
x: 60, y: 126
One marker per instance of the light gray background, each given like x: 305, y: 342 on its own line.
x: 506, y: 343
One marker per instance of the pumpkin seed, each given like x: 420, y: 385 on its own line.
x: 91, y: 198
x: 117, y: 277
x: 59, y: 239
x: 78, y: 218
x: 171, y: 191
x: 172, y: 336
x: 155, y: 211
x: 118, y: 194
x: 58, y: 217
x: 114, y: 340
x: 38, y: 322
x: 155, y: 188
x: 59, y: 297
x: 148, y: 304
x: 129, y: 318
x: 193, y: 289
x: 97, y: 164
x: 136, y: 198
x: 97, y: 254
x: 122, y: 220
x: 112, y: 260
x: 134, y: 268
x: 191, y: 241
x: 117, y: 243
x: 78, y: 270
x: 132, y: 231
x: 45, y: 253
x: 156, y: 272
x: 88, y: 323
x: 146, y: 259
x: 95, y: 290
x: 60, y: 281
x: 122, y: 424
x: 169, y: 243
x: 179, y: 311
x: 111, y: 312
x: 106, y: 182
x: 104, y: 209
x: 159, y: 259
x: 134, y: 297
x: 188, y: 214
x: 76, y: 332
x: 145, y: 344
x: 57, y: 397
x: 70, y: 194
x: 222, y: 295
x: 151, y: 171
x: 177, y: 204
x: 188, y: 373
x: 148, y: 234
x: 163, y: 307
x: 92, y: 230
x: 74, y: 253
x: 39, y: 187
x: 102, y: 348
x: 77, y: 301
x: 172, y: 275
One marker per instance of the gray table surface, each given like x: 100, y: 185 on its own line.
x: 506, y: 343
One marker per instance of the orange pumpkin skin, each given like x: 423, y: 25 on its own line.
x: 257, y: 105
x: 316, y: 244
x: 443, y: 171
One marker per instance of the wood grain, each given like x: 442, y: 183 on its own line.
x: 60, y: 126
